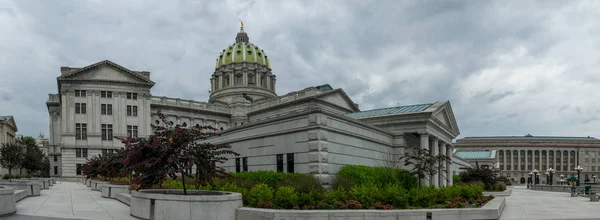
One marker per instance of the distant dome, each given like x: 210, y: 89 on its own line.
x: 242, y: 51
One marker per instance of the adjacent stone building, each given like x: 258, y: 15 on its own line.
x: 8, y: 134
x: 313, y: 130
x: 517, y: 156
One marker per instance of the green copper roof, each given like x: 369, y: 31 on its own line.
x: 242, y: 52
x: 529, y: 137
x: 390, y: 111
x: 474, y: 154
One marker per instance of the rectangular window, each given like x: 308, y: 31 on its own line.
x: 78, y: 169
x: 131, y: 95
x: 106, y: 109
x: 129, y: 110
x: 134, y: 110
x: 107, y: 132
x: 104, y: 152
x: 279, y: 163
x: 80, y: 108
x: 105, y: 94
x: 290, y: 162
x: 77, y: 152
x: 132, y: 131
x: 80, y: 93
x: 111, y: 151
x: 84, y: 151
x: 237, y: 165
x: 55, y: 170
x: 80, y: 131
x: 245, y: 164
x: 55, y: 158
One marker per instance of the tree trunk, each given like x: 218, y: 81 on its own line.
x: 197, y: 178
x: 9, y: 173
x: 183, y: 181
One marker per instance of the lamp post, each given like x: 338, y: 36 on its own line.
x: 551, y: 172
x: 594, y: 176
x: 579, y: 169
x: 562, y: 177
x: 535, y: 176
x: 547, y: 178
x: 531, y: 178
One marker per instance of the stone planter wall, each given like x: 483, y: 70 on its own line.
x: 504, y: 193
x: 8, y: 206
x: 492, y: 210
x: 88, y: 182
x: 97, y: 184
x: 111, y: 190
x: 566, y: 189
x: 166, y: 204
x: 45, y: 182
x: 32, y: 187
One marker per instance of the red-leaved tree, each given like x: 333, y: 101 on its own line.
x: 91, y: 168
x: 172, y: 150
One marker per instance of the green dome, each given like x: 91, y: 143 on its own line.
x: 242, y: 52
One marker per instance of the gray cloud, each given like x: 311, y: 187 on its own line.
x: 474, y: 53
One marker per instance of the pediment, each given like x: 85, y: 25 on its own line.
x: 444, y: 115
x: 339, y: 98
x: 105, y: 71
x: 10, y: 121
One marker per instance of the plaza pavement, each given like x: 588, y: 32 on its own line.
x: 525, y: 204
x: 70, y: 200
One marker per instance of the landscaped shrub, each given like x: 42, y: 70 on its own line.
x: 336, y: 195
x: 351, y: 175
x: 456, y: 179
x: 302, y: 183
x: 261, y: 192
x: 396, y: 196
x: 270, y: 178
x: 423, y: 197
x: 367, y: 195
x: 286, y: 197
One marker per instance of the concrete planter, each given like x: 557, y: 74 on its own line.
x: 163, y: 204
x: 97, y: 184
x: 111, y: 190
x: 45, y: 182
x: 88, y: 182
x: 492, y: 210
x: 504, y: 193
x: 32, y: 187
x: 8, y: 206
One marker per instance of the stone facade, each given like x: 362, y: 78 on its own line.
x: 315, y: 130
x: 519, y: 155
x: 8, y: 134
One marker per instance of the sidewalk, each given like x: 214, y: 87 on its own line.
x: 525, y: 204
x: 70, y: 200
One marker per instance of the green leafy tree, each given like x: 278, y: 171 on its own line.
x: 45, y: 172
x: 11, y: 155
x: 425, y: 165
x: 33, y: 157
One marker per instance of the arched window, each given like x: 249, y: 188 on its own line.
x: 238, y: 79
x: 197, y: 125
x: 263, y: 81
x: 184, y: 124
x: 251, y: 79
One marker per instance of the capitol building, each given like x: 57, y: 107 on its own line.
x: 315, y: 130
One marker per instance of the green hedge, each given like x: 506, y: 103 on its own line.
x: 357, y: 175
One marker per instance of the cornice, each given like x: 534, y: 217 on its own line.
x: 189, y: 109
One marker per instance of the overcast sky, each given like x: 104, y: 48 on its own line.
x: 507, y: 67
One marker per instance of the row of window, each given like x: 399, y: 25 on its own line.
x: 105, y: 94
x: 289, y: 158
x: 106, y: 131
x: 105, y: 109
x: 83, y: 152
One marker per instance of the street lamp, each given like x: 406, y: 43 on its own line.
x: 562, y: 178
x: 535, y: 176
x: 551, y: 171
x: 579, y: 169
x: 531, y: 178
x: 547, y: 178
x: 594, y: 176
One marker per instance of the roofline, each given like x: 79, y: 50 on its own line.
x: 403, y: 113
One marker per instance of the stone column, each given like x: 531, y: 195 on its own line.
x: 448, y: 168
x: 512, y: 161
x: 435, y: 179
x: 442, y: 181
x: 424, y: 145
x: 568, y: 161
x: 518, y: 160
